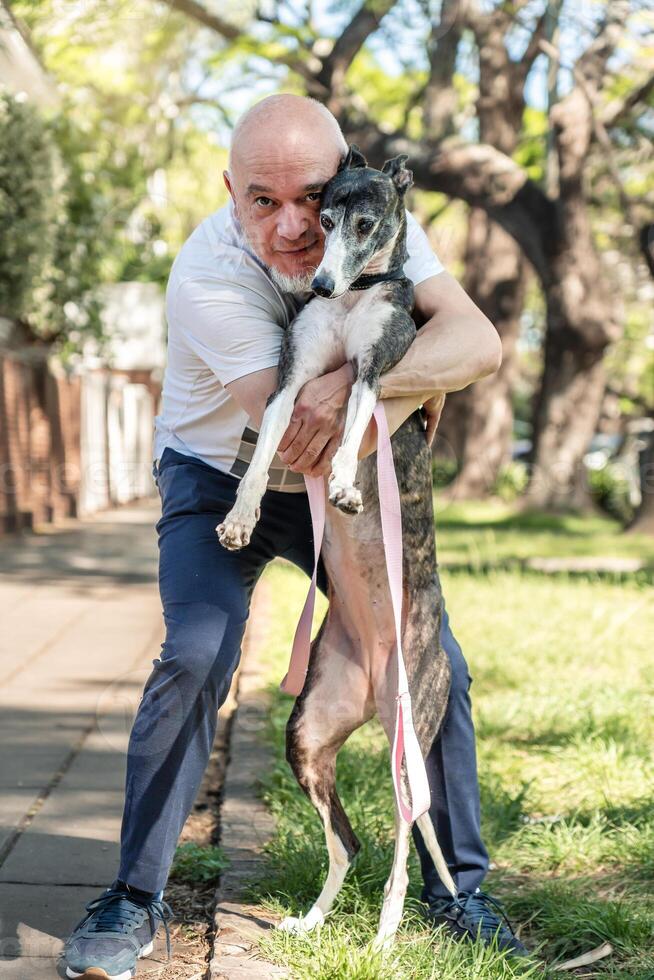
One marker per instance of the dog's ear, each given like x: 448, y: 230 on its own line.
x: 402, y: 178
x: 354, y: 158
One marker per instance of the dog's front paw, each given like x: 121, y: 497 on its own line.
x: 305, y: 924
x: 235, y: 531
x: 347, y: 499
x: 382, y: 942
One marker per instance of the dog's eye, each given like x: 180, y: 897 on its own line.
x: 365, y: 225
x: 326, y: 222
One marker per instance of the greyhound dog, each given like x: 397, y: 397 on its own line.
x: 361, y: 313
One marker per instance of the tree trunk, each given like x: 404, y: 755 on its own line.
x: 643, y: 522
x: 581, y: 322
x: 477, y: 422
x: 567, y: 410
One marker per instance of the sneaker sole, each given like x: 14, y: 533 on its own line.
x: 97, y: 972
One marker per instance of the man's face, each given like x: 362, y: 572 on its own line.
x: 276, y: 192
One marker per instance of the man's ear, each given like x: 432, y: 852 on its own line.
x: 354, y: 158
x: 228, y: 184
x: 402, y: 178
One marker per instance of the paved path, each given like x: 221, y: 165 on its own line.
x: 81, y: 625
x: 245, y: 823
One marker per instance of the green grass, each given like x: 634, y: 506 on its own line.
x: 563, y: 698
x: 488, y: 533
x: 198, y: 863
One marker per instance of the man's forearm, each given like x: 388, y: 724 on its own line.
x: 445, y: 356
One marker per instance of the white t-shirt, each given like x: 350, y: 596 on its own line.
x: 225, y: 320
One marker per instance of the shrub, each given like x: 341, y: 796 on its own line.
x: 30, y: 204
x: 511, y: 481
x: 49, y: 242
x: 609, y: 488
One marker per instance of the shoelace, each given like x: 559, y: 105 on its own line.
x: 483, y: 910
x: 112, y: 913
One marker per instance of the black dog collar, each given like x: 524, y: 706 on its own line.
x: 373, y: 279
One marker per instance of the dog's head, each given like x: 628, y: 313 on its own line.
x: 362, y: 215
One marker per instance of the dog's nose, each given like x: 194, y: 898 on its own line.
x: 323, y: 285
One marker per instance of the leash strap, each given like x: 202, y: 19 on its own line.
x: 405, y: 742
x: 299, y: 663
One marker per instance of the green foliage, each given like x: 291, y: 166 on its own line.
x: 133, y: 173
x: 49, y: 246
x: 30, y: 204
x: 531, y: 152
x: 443, y: 471
x: 630, y: 362
x: 511, y: 481
x: 610, y: 490
x: 198, y: 863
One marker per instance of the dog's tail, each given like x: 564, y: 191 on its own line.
x: 426, y: 828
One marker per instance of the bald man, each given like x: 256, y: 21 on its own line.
x: 237, y: 283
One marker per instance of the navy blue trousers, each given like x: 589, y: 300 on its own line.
x: 205, y: 592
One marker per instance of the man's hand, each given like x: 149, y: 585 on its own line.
x: 431, y: 411
x: 316, y: 428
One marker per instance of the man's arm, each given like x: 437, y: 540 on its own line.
x: 316, y: 428
x: 456, y: 346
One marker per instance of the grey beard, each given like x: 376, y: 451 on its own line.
x: 288, y: 284
x: 292, y: 284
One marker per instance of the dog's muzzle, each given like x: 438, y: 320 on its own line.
x: 323, y: 285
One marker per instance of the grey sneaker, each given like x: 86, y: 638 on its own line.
x: 118, y: 929
x: 476, y: 915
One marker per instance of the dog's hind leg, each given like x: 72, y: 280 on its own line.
x: 396, y: 886
x: 334, y: 703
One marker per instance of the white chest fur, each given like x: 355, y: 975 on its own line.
x: 330, y: 331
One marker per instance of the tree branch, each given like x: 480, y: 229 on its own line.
x: 472, y: 16
x: 197, y: 12
x: 364, y: 23
x: 619, y: 108
x: 438, y: 95
x: 592, y: 63
x: 483, y: 177
x: 524, y: 66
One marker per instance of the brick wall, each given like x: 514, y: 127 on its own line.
x: 46, y: 462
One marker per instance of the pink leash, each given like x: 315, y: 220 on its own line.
x: 405, y: 743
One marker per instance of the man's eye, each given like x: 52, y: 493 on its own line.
x: 313, y: 196
x: 263, y: 202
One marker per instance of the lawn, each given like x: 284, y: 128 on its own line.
x: 479, y: 535
x: 563, y: 695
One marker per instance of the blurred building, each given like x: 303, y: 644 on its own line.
x: 120, y: 396
x: 77, y: 440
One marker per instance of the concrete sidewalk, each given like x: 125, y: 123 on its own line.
x: 81, y: 625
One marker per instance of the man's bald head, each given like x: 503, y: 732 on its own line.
x: 284, y: 150
x: 291, y: 117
